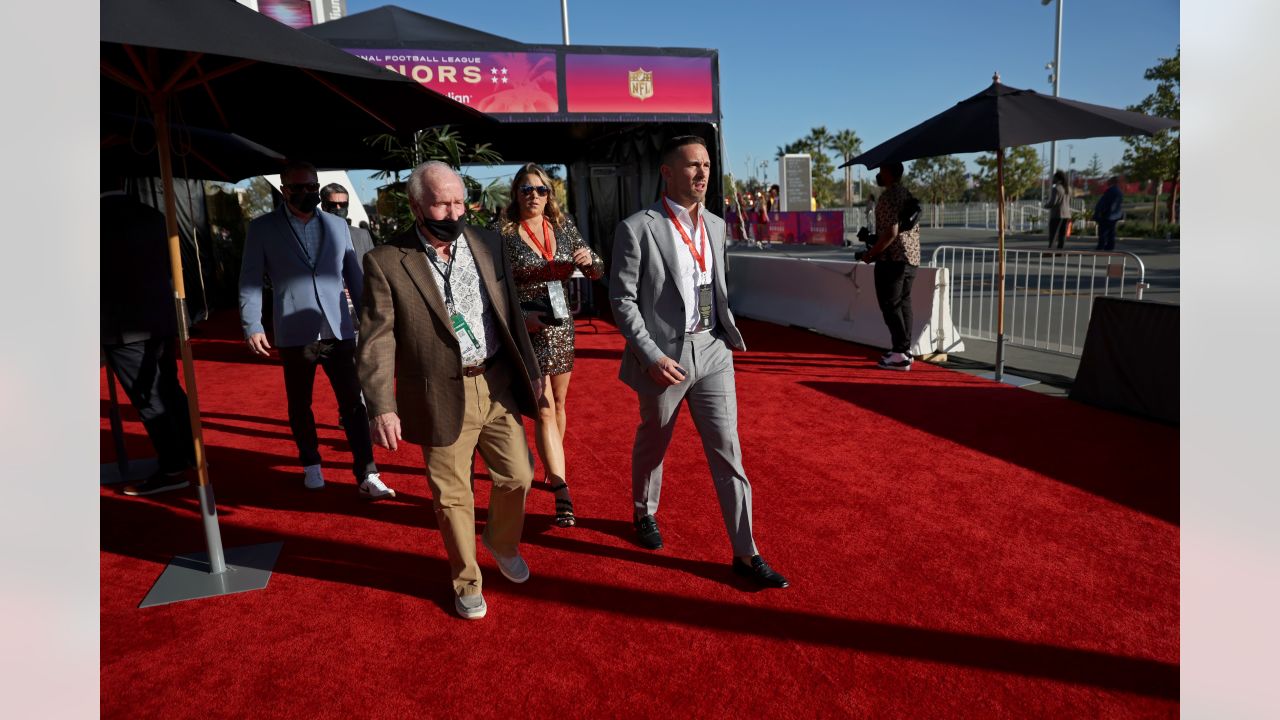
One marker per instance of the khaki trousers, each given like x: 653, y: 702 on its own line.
x: 491, y: 424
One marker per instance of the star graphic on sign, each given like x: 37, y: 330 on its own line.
x: 495, y: 79
x: 504, y: 71
x: 504, y: 81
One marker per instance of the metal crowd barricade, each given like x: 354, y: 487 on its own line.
x: 1048, y: 295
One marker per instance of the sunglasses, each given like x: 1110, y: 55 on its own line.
x: 335, y: 204
x: 302, y: 187
x: 542, y: 190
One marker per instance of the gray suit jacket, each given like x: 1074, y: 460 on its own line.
x: 645, y: 296
x: 303, y: 298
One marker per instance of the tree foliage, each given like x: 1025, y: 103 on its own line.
x: 938, y: 179
x: 256, y: 199
x: 846, y: 145
x: 1094, y: 169
x: 1158, y: 157
x: 1022, y: 172
x: 449, y: 147
x: 816, y: 145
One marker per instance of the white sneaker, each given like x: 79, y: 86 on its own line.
x: 471, y: 607
x: 895, y: 361
x: 372, y: 488
x: 513, y: 568
x: 312, y: 478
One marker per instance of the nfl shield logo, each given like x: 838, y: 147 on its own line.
x: 641, y: 83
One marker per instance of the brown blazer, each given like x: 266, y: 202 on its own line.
x: 405, y: 334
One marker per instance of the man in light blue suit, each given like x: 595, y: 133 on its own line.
x: 309, y: 260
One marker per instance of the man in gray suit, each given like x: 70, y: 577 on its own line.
x: 310, y: 261
x: 669, y: 298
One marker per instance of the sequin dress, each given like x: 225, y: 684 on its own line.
x: 553, y: 345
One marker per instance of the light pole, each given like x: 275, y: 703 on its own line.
x: 1056, y: 77
x: 564, y: 19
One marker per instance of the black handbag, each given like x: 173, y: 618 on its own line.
x: 542, y: 309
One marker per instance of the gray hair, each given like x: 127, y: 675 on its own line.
x: 418, y: 179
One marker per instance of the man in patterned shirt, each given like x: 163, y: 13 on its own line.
x: 896, y: 255
x: 444, y: 350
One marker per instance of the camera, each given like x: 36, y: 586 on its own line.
x: 868, y: 240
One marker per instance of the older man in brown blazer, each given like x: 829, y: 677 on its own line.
x: 441, y: 318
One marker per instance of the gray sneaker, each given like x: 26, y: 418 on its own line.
x: 513, y: 568
x: 471, y: 607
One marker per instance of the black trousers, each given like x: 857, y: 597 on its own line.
x: 338, y: 358
x: 148, y: 372
x: 893, y: 292
x: 1106, y: 235
x: 1057, y: 231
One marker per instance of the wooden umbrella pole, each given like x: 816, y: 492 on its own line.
x: 208, y: 509
x: 999, y: 375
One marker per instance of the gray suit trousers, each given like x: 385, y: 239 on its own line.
x: 713, y: 403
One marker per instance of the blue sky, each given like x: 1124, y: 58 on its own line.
x: 874, y: 67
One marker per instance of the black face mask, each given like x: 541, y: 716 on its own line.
x: 880, y: 179
x: 339, y: 211
x: 443, y: 230
x: 306, y: 202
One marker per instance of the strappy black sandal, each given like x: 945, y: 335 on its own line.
x: 564, y: 507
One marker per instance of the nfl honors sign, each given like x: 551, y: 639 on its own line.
x: 641, y: 84
x: 638, y: 84
x: 529, y: 84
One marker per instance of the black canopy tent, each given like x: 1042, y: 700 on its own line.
x: 601, y: 111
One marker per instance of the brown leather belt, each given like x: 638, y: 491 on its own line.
x: 474, y: 370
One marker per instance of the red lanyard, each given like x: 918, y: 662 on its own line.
x: 544, y: 246
x: 699, y: 256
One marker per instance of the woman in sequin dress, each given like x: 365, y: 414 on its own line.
x: 544, y: 248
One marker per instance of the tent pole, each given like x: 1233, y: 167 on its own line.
x: 208, y: 509
x: 999, y: 376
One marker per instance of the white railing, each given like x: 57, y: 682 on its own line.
x: 1048, y: 295
x: 1023, y: 216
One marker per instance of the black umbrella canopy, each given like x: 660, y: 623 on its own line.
x: 129, y: 149
x: 221, y: 66
x: 1001, y: 117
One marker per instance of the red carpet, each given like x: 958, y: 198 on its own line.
x: 957, y: 548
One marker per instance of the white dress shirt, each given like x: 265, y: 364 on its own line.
x: 687, y: 271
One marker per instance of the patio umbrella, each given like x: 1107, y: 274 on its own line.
x: 218, y: 65
x: 1001, y: 117
x: 129, y: 149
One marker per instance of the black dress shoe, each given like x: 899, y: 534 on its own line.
x: 647, y: 530
x: 760, y: 573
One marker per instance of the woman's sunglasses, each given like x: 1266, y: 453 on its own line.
x: 542, y: 190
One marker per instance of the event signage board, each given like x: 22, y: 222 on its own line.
x: 529, y: 84
x: 797, y: 181
x: 799, y: 228
x: 491, y: 82
x: 638, y: 84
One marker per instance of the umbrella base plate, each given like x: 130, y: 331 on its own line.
x: 188, y: 578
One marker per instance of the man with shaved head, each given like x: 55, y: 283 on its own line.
x: 446, y: 363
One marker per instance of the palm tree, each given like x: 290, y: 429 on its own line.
x: 847, y: 145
